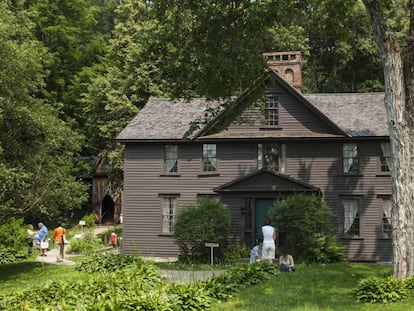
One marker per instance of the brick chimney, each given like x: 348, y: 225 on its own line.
x: 288, y: 65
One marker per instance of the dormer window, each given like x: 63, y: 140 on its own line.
x: 272, y: 111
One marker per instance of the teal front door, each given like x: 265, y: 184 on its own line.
x: 262, y: 208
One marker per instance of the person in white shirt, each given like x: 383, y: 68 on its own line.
x: 256, y: 252
x: 269, y: 237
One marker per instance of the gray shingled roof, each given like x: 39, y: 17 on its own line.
x: 358, y: 114
x: 166, y: 119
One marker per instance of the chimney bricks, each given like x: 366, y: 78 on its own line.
x: 288, y: 65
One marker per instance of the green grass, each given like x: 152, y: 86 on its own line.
x: 27, y: 274
x: 311, y: 288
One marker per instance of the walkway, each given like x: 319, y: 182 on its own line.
x: 52, y: 259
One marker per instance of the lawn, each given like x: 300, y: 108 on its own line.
x: 311, y: 288
x: 314, y: 287
x: 27, y: 274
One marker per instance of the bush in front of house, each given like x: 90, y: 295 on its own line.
x: 305, y: 219
x: 195, y: 225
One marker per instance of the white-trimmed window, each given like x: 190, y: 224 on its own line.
x: 169, y: 209
x: 350, y: 159
x: 170, y: 158
x: 385, y: 158
x: 209, y: 157
x: 351, y: 217
x: 272, y: 111
x: 386, y: 217
x: 271, y: 156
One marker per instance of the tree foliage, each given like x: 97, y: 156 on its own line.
x: 37, y: 148
x: 305, y: 219
x: 206, y: 222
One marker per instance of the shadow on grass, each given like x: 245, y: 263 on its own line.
x: 12, y: 270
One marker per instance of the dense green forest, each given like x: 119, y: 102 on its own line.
x: 73, y: 73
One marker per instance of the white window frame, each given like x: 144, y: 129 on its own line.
x: 272, y: 110
x: 170, y: 158
x: 386, y: 217
x: 272, y: 151
x: 385, y: 158
x: 168, y: 213
x: 209, y: 158
x: 350, y: 158
x: 351, y: 215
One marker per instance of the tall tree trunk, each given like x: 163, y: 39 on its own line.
x: 399, y: 88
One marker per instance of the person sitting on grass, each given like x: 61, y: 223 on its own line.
x: 286, y: 263
x: 256, y: 252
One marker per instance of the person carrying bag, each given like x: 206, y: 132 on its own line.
x: 59, y: 237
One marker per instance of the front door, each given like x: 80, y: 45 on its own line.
x: 262, y: 208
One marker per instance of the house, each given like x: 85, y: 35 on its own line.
x: 249, y: 154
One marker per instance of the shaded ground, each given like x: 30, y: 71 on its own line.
x: 179, y: 276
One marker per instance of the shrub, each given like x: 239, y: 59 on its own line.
x: 306, y: 221
x: 377, y: 289
x: 89, y: 221
x: 85, y: 245
x: 409, y: 285
x: 105, y: 263
x: 14, y: 241
x: 208, y: 221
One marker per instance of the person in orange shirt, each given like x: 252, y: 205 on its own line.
x: 114, y: 239
x: 59, y: 238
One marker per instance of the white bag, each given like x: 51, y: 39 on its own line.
x: 44, y: 245
x: 65, y: 241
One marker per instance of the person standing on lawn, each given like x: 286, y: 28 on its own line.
x: 269, y: 237
x: 59, y: 238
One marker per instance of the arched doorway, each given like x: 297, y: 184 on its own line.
x: 107, y: 210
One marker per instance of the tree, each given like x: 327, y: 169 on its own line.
x: 37, y: 149
x: 397, y: 58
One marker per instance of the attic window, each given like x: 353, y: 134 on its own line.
x: 285, y: 57
x: 272, y: 111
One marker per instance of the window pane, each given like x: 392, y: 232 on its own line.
x: 385, y: 157
x: 386, y: 217
x: 209, y: 158
x: 272, y: 111
x: 350, y: 158
x: 351, y: 217
x: 268, y: 156
x: 168, y: 214
x: 170, y: 158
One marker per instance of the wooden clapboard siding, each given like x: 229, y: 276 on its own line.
x: 294, y: 117
x: 316, y: 163
x: 313, y: 128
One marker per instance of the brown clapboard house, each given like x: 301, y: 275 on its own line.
x: 250, y: 154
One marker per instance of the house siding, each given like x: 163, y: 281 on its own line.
x: 316, y: 163
x: 296, y: 117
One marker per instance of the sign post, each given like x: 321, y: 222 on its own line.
x: 212, y: 245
